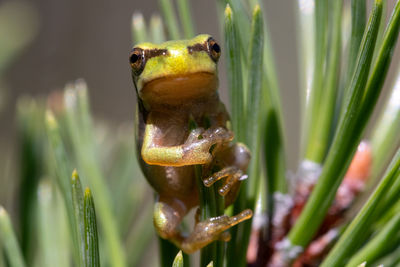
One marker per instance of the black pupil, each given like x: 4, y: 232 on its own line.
x: 216, y: 48
x: 134, y: 58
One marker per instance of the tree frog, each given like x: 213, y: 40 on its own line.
x: 176, y: 84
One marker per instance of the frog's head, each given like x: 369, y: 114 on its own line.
x: 176, y: 71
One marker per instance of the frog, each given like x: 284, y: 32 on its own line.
x: 181, y: 123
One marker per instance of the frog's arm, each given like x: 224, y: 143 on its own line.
x: 193, y: 151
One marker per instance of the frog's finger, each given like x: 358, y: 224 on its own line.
x: 232, y: 174
x: 230, y: 182
x: 225, y: 172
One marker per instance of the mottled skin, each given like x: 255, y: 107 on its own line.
x: 176, y: 84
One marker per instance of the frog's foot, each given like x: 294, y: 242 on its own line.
x: 211, y: 230
x: 232, y: 174
x: 196, y: 149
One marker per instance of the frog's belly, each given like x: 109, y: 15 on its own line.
x: 176, y: 182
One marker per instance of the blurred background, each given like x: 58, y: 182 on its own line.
x: 65, y: 40
x: 91, y: 40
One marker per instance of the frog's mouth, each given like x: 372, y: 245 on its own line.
x: 178, y: 89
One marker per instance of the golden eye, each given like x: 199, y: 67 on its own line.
x: 214, y: 49
x: 136, y: 59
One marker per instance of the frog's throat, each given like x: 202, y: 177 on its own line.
x: 179, y: 89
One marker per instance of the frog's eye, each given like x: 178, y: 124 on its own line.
x: 136, y: 59
x: 214, y: 49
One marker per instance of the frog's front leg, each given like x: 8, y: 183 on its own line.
x: 232, y: 174
x: 168, y: 215
x: 195, y: 150
x: 234, y: 161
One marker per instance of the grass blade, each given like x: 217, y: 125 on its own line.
x: 208, y: 209
x: 358, y: 21
x: 79, y: 126
x: 178, y: 261
x: 139, y: 31
x: 142, y: 232
x: 30, y: 115
x: 254, y: 98
x: 170, y: 19
x: 306, y: 44
x: 390, y: 260
x: 343, y: 146
x: 381, y: 65
x: 91, y: 239
x: 186, y: 19
x: 379, y: 244
x: 53, y: 237
x: 320, y: 142
x: 234, y: 72
x: 242, y: 19
x: 313, y: 104
x: 386, y: 134
x: 78, y: 204
x: 273, y: 130
x: 356, y: 233
x: 167, y: 252
x: 381, y: 32
x: 157, y: 29
x: 61, y: 168
x: 9, y: 240
x: 248, y: 191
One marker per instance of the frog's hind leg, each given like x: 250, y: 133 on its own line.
x: 211, y: 230
x: 167, y: 216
